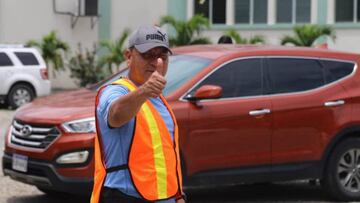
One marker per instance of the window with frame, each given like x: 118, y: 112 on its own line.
x: 251, y: 11
x: 214, y: 10
x: 347, y: 11
x: 289, y: 75
x: 27, y: 58
x: 293, y: 11
x: 5, y: 60
x: 239, y: 78
x: 336, y: 70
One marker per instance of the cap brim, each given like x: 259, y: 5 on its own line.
x: 142, y: 48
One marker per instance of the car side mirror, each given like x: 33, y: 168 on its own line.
x: 206, y: 92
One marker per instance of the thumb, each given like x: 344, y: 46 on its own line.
x: 160, y: 66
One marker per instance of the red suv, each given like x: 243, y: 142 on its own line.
x: 246, y: 114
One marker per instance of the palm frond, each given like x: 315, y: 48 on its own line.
x: 307, y: 34
x: 115, y: 51
x: 168, y: 20
x: 106, y: 43
x: 198, y: 23
x: 123, y: 37
x: 236, y: 36
x: 291, y: 40
x: 257, y: 39
x: 202, y: 40
x: 186, y: 31
x: 33, y: 43
x: 51, y: 48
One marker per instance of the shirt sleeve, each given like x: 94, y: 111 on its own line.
x: 107, y: 97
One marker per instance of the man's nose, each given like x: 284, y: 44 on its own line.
x: 153, y: 60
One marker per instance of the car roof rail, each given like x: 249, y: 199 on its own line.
x: 12, y: 46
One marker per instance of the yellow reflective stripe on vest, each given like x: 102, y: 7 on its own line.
x: 159, y: 157
x: 125, y: 83
x: 160, y: 165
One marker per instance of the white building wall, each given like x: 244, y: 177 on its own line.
x: 348, y: 40
x: 24, y: 20
x: 132, y: 14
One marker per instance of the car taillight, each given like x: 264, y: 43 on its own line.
x: 44, y: 74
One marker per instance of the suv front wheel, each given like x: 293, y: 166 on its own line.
x: 19, y: 95
x: 342, y: 173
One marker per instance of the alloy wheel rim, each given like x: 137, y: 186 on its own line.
x: 21, y: 96
x: 348, y: 170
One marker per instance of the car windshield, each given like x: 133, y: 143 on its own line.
x: 181, y: 69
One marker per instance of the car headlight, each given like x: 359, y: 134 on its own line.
x: 86, y: 125
x: 73, y: 157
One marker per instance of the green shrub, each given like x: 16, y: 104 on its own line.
x: 52, y: 48
x: 84, y: 67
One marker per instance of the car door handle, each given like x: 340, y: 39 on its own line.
x: 334, y: 103
x: 259, y: 112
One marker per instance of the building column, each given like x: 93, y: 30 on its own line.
x: 314, y: 12
x: 230, y: 12
x: 322, y: 12
x: 271, y: 12
x: 104, y: 23
x: 177, y: 9
x: 331, y: 12
x: 189, y: 9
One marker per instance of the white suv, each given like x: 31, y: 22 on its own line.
x: 23, y: 75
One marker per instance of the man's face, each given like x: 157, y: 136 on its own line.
x: 142, y: 65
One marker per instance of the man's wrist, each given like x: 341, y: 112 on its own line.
x: 142, y: 93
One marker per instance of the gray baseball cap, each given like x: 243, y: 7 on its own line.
x: 148, y: 37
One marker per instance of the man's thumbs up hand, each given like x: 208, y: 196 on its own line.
x: 156, y: 83
x: 160, y: 67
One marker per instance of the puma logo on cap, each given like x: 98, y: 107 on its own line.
x: 148, y: 37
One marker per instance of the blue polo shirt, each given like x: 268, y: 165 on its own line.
x: 117, y: 140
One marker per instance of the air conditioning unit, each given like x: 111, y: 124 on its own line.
x: 76, y: 9
x: 87, y: 8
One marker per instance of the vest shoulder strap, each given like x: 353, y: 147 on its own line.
x: 116, y: 168
x: 125, y: 82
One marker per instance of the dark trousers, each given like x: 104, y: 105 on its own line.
x: 109, y: 195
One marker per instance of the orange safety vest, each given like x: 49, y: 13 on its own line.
x: 153, y: 159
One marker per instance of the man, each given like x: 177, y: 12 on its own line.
x: 136, y: 147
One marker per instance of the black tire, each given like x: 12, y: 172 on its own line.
x: 341, y: 184
x: 19, y: 95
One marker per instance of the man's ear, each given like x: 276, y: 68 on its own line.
x: 127, y: 55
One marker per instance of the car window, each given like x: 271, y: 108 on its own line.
x: 27, y: 58
x: 5, y: 60
x: 336, y: 70
x: 181, y: 69
x: 237, y: 79
x: 294, y: 75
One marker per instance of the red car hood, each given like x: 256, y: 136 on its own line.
x: 59, y: 108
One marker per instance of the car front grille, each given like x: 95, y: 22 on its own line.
x: 33, y: 136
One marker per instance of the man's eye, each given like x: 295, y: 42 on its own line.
x: 147, y: 56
